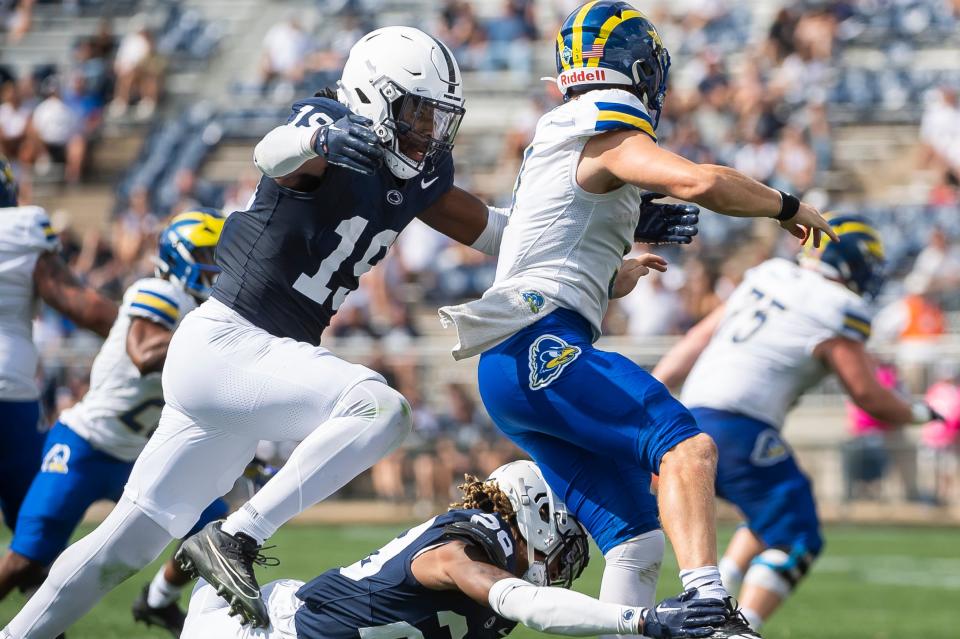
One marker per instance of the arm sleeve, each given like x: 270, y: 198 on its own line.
x: 560, y: 611
x: 285, y: 148
x: 489, y: 240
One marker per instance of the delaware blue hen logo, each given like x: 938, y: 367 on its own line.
x: 534, y: 300
x: 549, y: 355
x: 769, y: 449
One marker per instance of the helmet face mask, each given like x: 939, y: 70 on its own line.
x: 422, y: 129
x: 8, y: 184
x: 409, y: 84
x: 557, y: 549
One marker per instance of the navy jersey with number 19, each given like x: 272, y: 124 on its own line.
x: 378, y: 596
x: 292, y: 257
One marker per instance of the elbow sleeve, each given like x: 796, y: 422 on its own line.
x: 284, y: 150
x: 489, y: 240
x: 560, y: 611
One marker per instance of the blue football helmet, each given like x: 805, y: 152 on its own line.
x: 8, y: 184
x: 186, y: 250
x: 857, y: 259
x: 605, y: 42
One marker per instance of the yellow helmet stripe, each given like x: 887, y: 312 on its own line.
x: 566, y: 65
x: 612, y: 23
x: 577, y: 40
x: 857, y: 227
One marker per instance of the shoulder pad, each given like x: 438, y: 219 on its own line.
x: 615, y: 110
x: 481, y: 536
x: 157, y: 300
x: 312, y: 112
x: 856, y: 322
x: 30, y: 228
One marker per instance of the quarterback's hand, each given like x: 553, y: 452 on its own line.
x: 665, y: 223
x: 806, y: 223
x: 683, y: 617
x: 632, y: 270
x: 350, y: 142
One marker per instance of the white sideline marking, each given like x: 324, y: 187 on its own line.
x: 895, y: 570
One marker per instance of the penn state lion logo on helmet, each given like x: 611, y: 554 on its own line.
x: 549, y: 355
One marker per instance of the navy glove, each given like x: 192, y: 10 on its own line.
x: 349, y: 142
x: 684, y: 617
x: 665, y: 223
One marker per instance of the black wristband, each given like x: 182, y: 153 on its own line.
x: 789, y: 205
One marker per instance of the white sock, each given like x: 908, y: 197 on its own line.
x: 730, y: 575
x: 251, y: 523
x: 706, y: 579
x: 125, y: 542
x: 631, y: 572
x: 752, y: 617
x: 161, y: 592
x: 371, y: 420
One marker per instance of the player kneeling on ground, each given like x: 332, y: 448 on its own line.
x: 784, y: 329
x: 458, y: 575
x: 89, y: 452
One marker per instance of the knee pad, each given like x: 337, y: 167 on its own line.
x: 780, y: 569
x: 385, y: 408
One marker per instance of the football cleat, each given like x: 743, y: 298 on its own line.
x: 736, y: 626
x: 170, y: 617
x: 226, y: 562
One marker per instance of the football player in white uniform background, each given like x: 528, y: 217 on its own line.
x: 89, y: 452
x: 596, y: 423
x: 785, y: 328
x: 31, y: 270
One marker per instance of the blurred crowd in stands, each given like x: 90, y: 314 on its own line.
x: 761, y: 99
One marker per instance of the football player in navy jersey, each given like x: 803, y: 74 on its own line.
x: 505, y: 554
x: 341, y: 179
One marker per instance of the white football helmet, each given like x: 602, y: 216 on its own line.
x: 409, y: 84
x: 544, y: 524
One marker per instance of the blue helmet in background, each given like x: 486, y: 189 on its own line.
x: 186, y: 250
x: 611, y: 43
x: 8, y: 184
x: 857, y: 259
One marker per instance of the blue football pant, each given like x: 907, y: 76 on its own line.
x: 597, y: 429
x: 21, y: 448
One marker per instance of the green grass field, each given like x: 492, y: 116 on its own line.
x: 871, y: 583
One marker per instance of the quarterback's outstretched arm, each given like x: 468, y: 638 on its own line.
x: 59, y: 288
x: 850, y: 361
x: 674, y: 367
x: 616, y: 157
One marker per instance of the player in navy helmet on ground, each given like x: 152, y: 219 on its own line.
x: 786, y: 327
x: 31, y: 270
x: 88, y: 454
x: 506, y: 553
x: 596, y: 423
x: 341, y: 179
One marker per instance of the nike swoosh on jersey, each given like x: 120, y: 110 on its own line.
x: 426, y: 184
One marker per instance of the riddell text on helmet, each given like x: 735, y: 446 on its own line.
x: 578, y: 76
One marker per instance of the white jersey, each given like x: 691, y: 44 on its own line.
x: 25, y: 234
x: 122, y: 407
x: 563, y: 245
x: 760, y: 359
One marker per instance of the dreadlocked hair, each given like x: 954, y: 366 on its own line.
x: 326, y: 92
x: 485, y: 496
